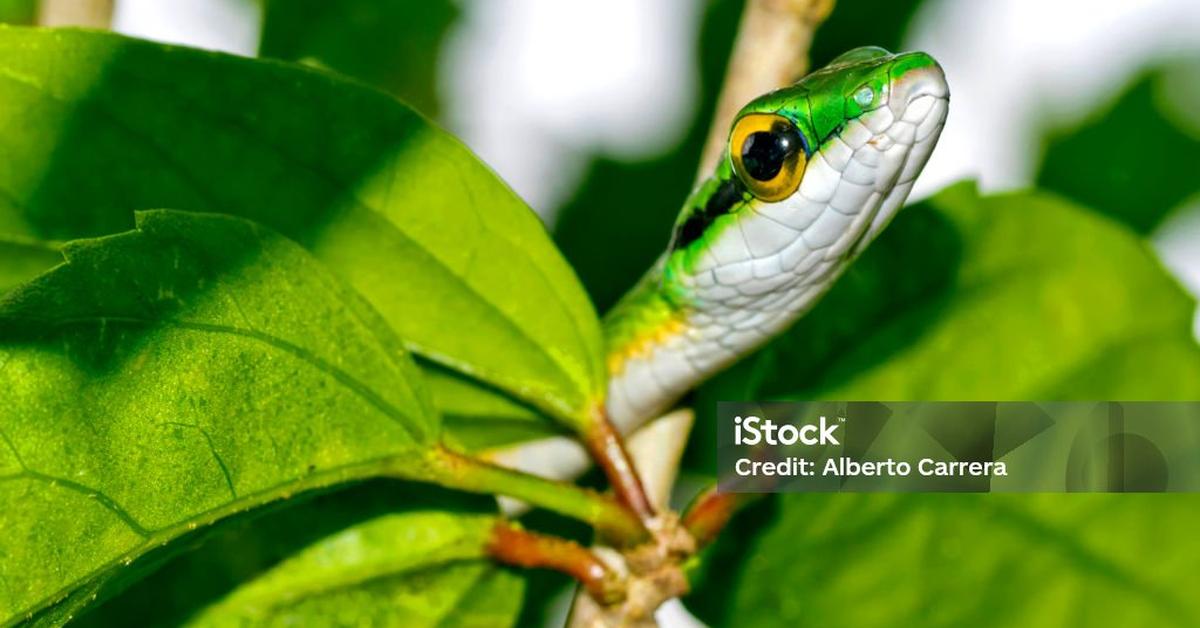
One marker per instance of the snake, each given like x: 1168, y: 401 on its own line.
x: 810, y: 175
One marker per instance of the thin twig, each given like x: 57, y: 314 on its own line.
x: 90, y: 13
x: 607, y: 448
x: 656, y: 449
x: 610, y: 518
x: 710, y: 511
x: 512, y: 545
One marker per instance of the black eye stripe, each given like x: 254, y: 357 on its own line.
x: 783, y: 141
x: 727, y: 194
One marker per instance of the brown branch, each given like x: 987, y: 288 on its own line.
x: 90, y: 13
x: 607, y: 448
x: 771, y: 51
x: 707, y: 515
x: 512, y: 545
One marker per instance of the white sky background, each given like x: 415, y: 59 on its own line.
x: 1012, y: 62
x: 228, y: 25
x: 536, y: 87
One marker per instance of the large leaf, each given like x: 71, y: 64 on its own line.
x: 353, y: 557
x: 393, y: 44
x: 478, y: 417
x: 1129, y: 159
x: 345, y: 580
x: 1019, y: 296
x: 965, y: 560
x: 96, y: 125
x: 167, y: 378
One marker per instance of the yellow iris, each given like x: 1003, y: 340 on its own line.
x: 768, y: 155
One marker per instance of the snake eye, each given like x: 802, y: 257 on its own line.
x: 768, y: 155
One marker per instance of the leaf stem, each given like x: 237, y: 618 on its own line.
x: 707, y: 515
x: 607, y: 448
x: 513, y: 545
x: 612, y: 519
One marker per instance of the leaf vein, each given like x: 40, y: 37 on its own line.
x: 87, y: 491
x: 344, y: 378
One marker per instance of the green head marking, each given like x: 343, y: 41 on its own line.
x: 855, y: 83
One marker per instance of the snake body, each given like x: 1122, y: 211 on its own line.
x: 811, y: 175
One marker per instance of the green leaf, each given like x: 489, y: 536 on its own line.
x: 169, y: 377
x: 1010, y: 297
x: 477, y: 417
x: 18, y: 11
x: 380, y: 559
x: 344, y: 580
x: 454, y: 262
x: 1131, y: 159
x: 392, y: 44
x: 966, y: 560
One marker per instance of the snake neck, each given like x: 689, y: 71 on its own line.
x: 644, y: 318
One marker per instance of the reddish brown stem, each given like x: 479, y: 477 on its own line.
x: 707, y: 515
x: 512, y: 545
x: 607, y: 448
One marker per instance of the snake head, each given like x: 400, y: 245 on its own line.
x: 811, y: 174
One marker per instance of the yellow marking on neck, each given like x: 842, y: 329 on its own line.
x: 644, y: 342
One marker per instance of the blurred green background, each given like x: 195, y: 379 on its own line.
x: 1084, y: 115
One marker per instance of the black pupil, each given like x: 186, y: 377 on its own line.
x: 764, y: 152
